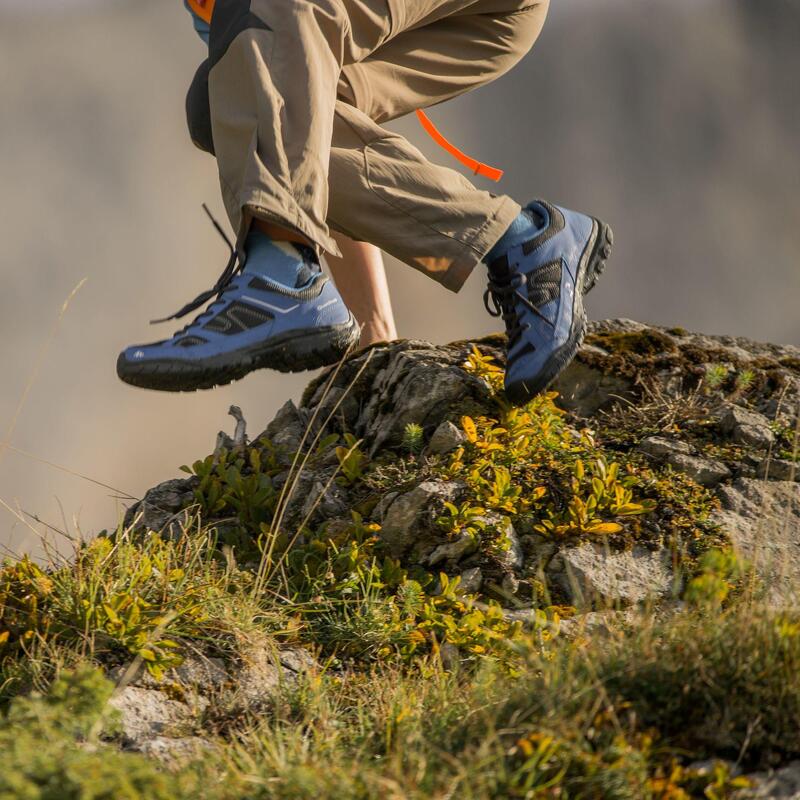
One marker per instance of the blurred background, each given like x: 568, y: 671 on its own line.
x: 678, y: 122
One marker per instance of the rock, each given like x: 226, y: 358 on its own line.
x: 196, y: 671
x: 450, y: 656
x: 148, y: 713
x: 287, y: 429
x: 162, y: 509
x: 174, y: 752
x: 584, y: 390
x: 776, y: 469
x: 779, y: 784
x: 705, y: 471
x: 590, y: 573
x: 513, y: 557
x: 471, y: 580
x: 264, y: 669
x: 454, y: 551
x: 323, y: 501
x: 411, y: 514
x: 538, y: 551
x: 445, y: 438
x: 763, y: 521
x: 297, y: 660
x: 258, y: 679
x: 413, y: 394
x: 392, y: 385
x: 527, y: 616
x: 203, y: 673
x: 510, y: 584
x: 661, y: 448
x: 746, y: 427
x: 379, y: 512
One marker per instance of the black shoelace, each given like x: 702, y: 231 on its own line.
x: 234, y: 265
x: 501, y: 299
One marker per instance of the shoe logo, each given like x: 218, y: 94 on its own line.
x: 327, y: 305
x: 270, y: 306
x: 139, y: 354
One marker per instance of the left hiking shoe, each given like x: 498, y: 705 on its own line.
x: 538, y: 287
x: 253, y: 323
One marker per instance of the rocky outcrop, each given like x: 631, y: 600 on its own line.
x: 714, y: 415
x: 718, y: 409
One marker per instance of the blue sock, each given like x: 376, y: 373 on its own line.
x: 521, y: 230
x: 281, y: 262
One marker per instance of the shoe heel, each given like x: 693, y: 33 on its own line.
x: 599, y: 257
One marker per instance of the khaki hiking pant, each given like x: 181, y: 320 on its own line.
x: 291, y: 100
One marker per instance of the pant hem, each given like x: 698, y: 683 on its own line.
x: 263, y: 207
x: 479, y: 245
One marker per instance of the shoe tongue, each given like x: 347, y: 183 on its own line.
x: 537, y: 217
x: 310, y: 267
x: 305, y: 275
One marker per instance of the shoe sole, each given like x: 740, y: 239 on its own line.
x: 592, y: 265
x: 293, y: 352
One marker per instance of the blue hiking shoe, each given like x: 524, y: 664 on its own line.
x: 253, y: 323
x: 537, y: 287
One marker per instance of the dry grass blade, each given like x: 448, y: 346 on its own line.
x: 37, y: 364
x: 296, y: 470
x: 121, y: 494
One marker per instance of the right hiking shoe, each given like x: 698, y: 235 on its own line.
x: 253, y: 323
x: 537, y: 287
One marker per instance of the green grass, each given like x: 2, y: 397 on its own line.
x: 618, y: 716
x: 516, y: 714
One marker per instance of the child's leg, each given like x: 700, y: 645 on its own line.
x: 361, y: 278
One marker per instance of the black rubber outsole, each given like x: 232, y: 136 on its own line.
x: 593, y: 264
x: 294, y: 352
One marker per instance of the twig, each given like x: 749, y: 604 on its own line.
x: 240, y: 434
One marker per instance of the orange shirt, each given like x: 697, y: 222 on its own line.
x: 203, y: 8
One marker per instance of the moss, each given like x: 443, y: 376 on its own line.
x: 790, y: 362
x: 642, y: 343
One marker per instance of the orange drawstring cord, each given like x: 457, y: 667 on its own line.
x: 492, y: 173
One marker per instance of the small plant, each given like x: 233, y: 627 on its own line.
x: 745, y: 380
x: 352, y: 460
x: 600, y: 493
x: 716, y: 375
x: 719, y: 573
x: 413, y: 438
x: 462, y: 518
x: 238, y: 484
